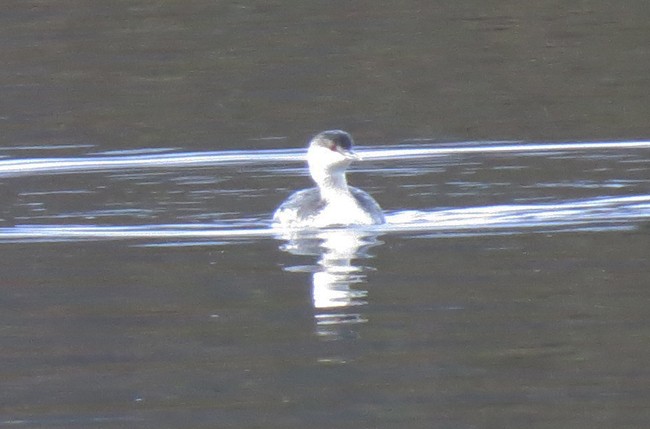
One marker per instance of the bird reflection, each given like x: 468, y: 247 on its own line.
x: 337, y: 278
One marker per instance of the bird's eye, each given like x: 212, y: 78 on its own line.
x: 332, y: 147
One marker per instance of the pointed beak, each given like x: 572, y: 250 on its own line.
x: 349, y: 154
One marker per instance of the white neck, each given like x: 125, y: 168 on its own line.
x: 327, y: 168
x: 332, y: 184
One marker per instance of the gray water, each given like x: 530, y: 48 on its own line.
x: 146, y: 144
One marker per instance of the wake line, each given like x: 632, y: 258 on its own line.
x: 603, y: 211
x: 44, y: 166
x: 502, y: 148
x: 600, y: 213
x: 80, y: 232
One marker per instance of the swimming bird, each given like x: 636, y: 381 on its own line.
x: 332, y: 202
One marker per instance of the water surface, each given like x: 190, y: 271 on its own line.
x: 150, y: 288
x: 145, y: 144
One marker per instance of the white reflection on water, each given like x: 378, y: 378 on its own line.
x: 337, y: 276
x: 130, y: 190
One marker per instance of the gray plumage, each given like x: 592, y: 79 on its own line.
x: 306, y: 204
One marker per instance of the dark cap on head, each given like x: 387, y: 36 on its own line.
x: 338, y: 137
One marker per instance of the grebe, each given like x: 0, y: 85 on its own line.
x: 332, y: 202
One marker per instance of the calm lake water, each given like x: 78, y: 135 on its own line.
x: 146, y: 144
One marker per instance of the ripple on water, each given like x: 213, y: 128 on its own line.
x: 161, y: 196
